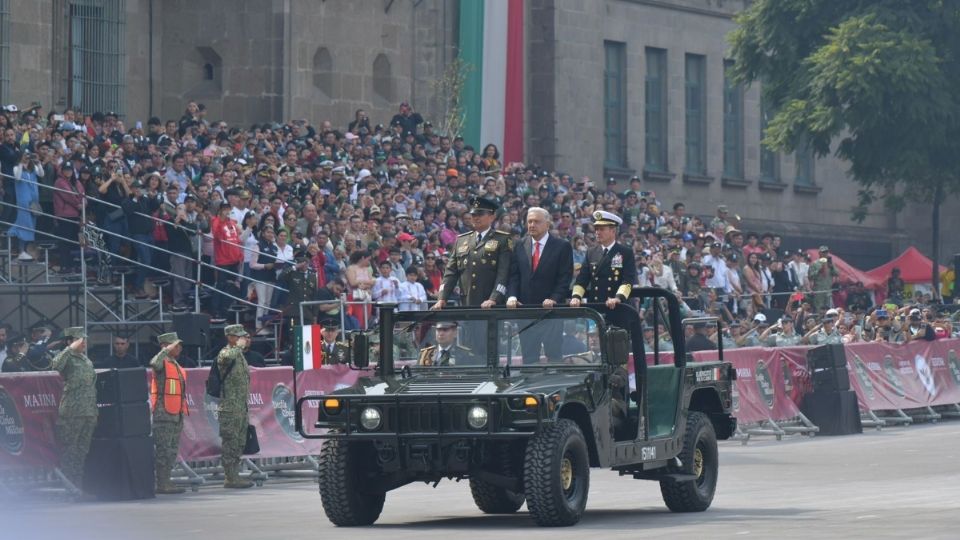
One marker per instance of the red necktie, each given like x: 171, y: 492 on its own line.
x: 536, y: 254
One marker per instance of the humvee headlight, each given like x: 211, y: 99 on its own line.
x: 477, y: 417
x: 370, y: 418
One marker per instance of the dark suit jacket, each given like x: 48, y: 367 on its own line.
x: 552, y: 277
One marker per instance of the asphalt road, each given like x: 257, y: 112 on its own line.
x: 895, y: 483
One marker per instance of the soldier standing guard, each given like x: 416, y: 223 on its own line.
x: 480, y: 261
x: 301, y: 282
x: 235, y: 375
x: 168, y: 399
x: 609, y: 273
x: 78, y: 407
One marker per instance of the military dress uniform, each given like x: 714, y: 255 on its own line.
x: 78, y: 408
x: 453, y: 355
x: 233, y: 416
x: 167, y: 417
x: 335, y: 353
x: 480, y: 266
x: 302, y: 287
x: 607, y: 273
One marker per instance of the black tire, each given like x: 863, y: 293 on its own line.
x: 342, y: 493
x: 491, y: 499
x: 556, y: 475
x: 699, y: 457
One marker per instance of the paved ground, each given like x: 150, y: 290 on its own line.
x: 896, y: 483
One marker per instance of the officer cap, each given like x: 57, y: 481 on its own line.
x: 602, y: 217
x: 824, y: 249
x: 331, y: 325
x: 480, y: 205
x: 722, y: 208
x: 168, y: 339
x: 446, y: 324
x: 75, y: 332
x: 235, y: 330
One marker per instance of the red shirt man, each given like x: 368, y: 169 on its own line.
x: 226, y: 239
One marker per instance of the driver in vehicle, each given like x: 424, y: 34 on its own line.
x: 446, y: 352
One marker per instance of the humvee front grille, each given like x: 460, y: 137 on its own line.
x: 445, y: 387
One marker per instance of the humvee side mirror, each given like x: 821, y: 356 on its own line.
x: 618, y: 346
x: 360, y: 350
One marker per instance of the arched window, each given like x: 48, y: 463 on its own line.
x: 383, y: 77
x: 323, y: 71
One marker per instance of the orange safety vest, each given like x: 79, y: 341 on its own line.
x: 174, y: 379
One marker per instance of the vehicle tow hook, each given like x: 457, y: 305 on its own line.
x: 677, y: 462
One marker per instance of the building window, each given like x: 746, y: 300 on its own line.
x: 696, y: 127
x: 323, y: 71
x: 383, y: 77
x: 4, y: 51
x: 732, y: 124
x: 614, y: 104
x: 97, y: 56
x: 805, y: 162
x: 655, y: 110
x: 769, y: 160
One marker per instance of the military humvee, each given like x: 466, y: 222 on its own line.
x: 521, y: 432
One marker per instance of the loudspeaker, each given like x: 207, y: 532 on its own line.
x: 833, y: 379
x: 826, y: 356
x: 122, y: 386
x: 193, y: 329
x: 835, y: 413
x: 123, y: 420
x: 120, y: 469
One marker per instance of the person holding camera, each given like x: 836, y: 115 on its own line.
x: 113, y: 190
x: 822, y: 275
x: 27, y: 174
x: 917, y: 328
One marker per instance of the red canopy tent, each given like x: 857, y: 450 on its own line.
x: 914, y: 268
x: 850, y: 274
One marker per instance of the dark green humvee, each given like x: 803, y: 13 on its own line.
x: 521, y: 432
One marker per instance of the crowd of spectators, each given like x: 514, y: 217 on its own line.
x: 373, y: 210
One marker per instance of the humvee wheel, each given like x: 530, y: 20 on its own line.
x: 342, y: 493
x: 491, y: 499
x: 699, y: 458
x: 557, y: 475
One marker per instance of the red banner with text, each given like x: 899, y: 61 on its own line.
x: 907, y: 376
x: 28, y: 416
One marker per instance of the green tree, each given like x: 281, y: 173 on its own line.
x: 872, y: 81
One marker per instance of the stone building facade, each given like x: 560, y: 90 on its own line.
x: 613, y: 88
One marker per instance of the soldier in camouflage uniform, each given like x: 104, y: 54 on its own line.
x: 720, y: 223
x: 78, y: 407
x: 826, y: 333
x: 233, y: 405
x: 169, y: 405
x: 822, y: 274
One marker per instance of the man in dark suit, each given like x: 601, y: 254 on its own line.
x: 699, y: 340
x: 540, y: 276
x: 609, y: 273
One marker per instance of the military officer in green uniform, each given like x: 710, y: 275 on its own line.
x: 446, y: 352
x: 168, y: 398
x: 334, y: 352
x: 78, y: 407
x: 301, y: 281
x: 233, y: 405
x: 610, y: 271
x: 720, y: 222
x: 826, y: 333
x: 822, y: 274
x: 480, y: 261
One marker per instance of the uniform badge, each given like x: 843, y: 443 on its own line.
x: 616, y: 261
x: 463, y: 248
x: 491, y: 245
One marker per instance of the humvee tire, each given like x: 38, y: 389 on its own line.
x: 556, y: 474
x: 699, y: 457
x: 491, y: 499
x: 341, y: 486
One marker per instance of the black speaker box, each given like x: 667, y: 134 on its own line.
x: 120, y: 469
x: 831, y: 380
x: 826, y: 356
x: 835, y: 413
x: 123, y: 420
x: 193, y: 329
x: 122, y: 386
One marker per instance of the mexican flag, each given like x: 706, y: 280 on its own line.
x: 308, y: 347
